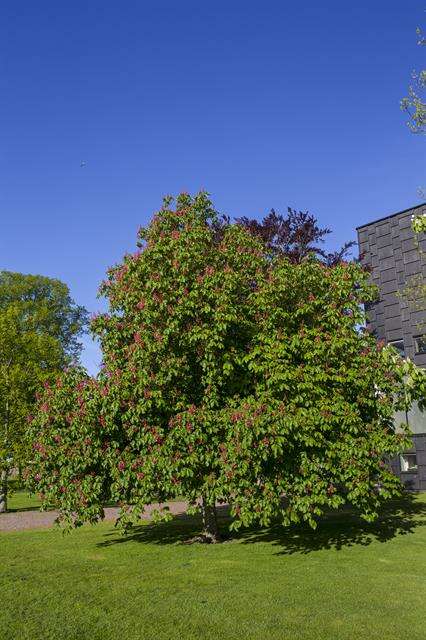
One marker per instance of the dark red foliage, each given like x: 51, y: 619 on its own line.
x: 295, y: 235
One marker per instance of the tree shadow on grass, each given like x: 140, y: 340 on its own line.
x: 344, y: 529
x: 180, y: 529
x: 336, y: 530
x: 35, y: 507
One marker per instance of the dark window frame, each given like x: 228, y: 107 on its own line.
x: 393, y: 344
x: 414, y: 468
x: 420, y: 349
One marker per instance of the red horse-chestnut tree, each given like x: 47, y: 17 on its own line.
x: 230, y: 375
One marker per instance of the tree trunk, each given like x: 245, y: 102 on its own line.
x: 3, y: 490
x: 210, y: 526
x: 5, y: 471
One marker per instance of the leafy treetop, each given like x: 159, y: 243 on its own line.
x: 44, y: 305
x: 414, y: 104
x: 295, y: 236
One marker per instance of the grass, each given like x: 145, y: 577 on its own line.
x: 19, y: 499
x: 23, y: 501
x: 347, y: 580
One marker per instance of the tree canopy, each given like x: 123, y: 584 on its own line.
x: 44, y: 305
x: 229, y: 375
x: 39, y: 326
x: 415, y: 288
x: 414, y: 103
x: 296, y: 236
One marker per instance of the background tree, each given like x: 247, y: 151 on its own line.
x: 39, y: 325
x: 230, y: 375
x: 296, y: 236
x: 414, y: 104
x: 415, y: 289
x: 44, y: 305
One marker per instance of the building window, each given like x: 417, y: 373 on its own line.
x: 420, y: 344
x: 408, y: 462
x: 399, y: 346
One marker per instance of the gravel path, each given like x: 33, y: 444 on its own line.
x: 19, y: 520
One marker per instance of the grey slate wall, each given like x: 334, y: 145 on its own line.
x: 387, y: 247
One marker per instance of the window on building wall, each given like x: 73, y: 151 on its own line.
x: 408, y: 462
x: 399, y: 346
x: 420, y: 344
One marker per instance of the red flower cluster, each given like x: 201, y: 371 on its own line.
x: 138, y: 338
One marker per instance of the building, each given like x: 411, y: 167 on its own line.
x: 387, y: 246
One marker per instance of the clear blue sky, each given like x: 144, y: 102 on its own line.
x: 264, y: 104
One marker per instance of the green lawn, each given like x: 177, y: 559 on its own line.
x: 20, y: 499
x: 23, y: 501
x: 345, y: 581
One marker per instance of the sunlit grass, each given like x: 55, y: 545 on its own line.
x: 347, y: 580
x: 21, y: 500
